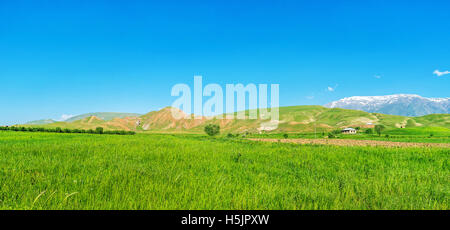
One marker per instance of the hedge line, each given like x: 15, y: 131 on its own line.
x: 98, y: 130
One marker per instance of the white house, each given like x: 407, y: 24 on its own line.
x: 349, y: 131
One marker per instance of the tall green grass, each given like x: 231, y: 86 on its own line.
x: 79, y: 171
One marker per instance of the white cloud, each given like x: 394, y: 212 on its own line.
x: 310, y: 97
x: 377, y: 76
x: 65, y: 117
x: 332, y: 88
x: 438, y: 73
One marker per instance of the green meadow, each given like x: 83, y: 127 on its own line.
x: 163, y: 171
x: 415, y: 134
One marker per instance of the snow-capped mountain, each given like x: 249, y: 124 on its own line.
x: 398, y: 104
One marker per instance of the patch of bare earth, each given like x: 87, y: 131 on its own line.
x: 349, y: 142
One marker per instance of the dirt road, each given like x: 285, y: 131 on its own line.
x: 349, y: 142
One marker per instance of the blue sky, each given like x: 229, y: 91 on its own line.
x: 73, y: 57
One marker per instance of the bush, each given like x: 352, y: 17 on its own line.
x: 99, y: 130
x: 330, y: 135
x: 368, y: 131
x: 337, y: 131
x: 285, y: 136
x: 212, y: 130
x: 230, y: 135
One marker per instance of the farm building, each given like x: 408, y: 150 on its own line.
x: 349, y: 131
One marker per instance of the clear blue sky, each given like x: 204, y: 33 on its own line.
x: 73, y: 57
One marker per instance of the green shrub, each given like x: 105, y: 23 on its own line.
x: 336, y: 131
x: 99, y: 130
x: 212, y: 130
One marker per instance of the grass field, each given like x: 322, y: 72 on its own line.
x: 416, y: 134
x: 155, y: 171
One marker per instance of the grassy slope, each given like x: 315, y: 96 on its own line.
x: 107, y: 116
x: 442, y: 120
x: 76, y: 171
x: 41, y: 122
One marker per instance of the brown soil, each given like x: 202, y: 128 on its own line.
x: 349, y: 142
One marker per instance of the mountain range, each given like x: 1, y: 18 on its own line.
x: 392, y: 111
x: 102, y: 115
x: 399, y: 104
x: 292, y: 119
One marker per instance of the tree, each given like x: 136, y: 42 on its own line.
x: 369, y: 131
x: 379, y: 128
x: 336, y: 131
x: 99, y: 130
x: 212, y: 130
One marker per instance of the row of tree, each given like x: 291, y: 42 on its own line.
x: 98, y: 130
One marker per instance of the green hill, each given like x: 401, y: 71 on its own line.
x: 103, y: 115
x: 41, y: 122
x: 292, y: 119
